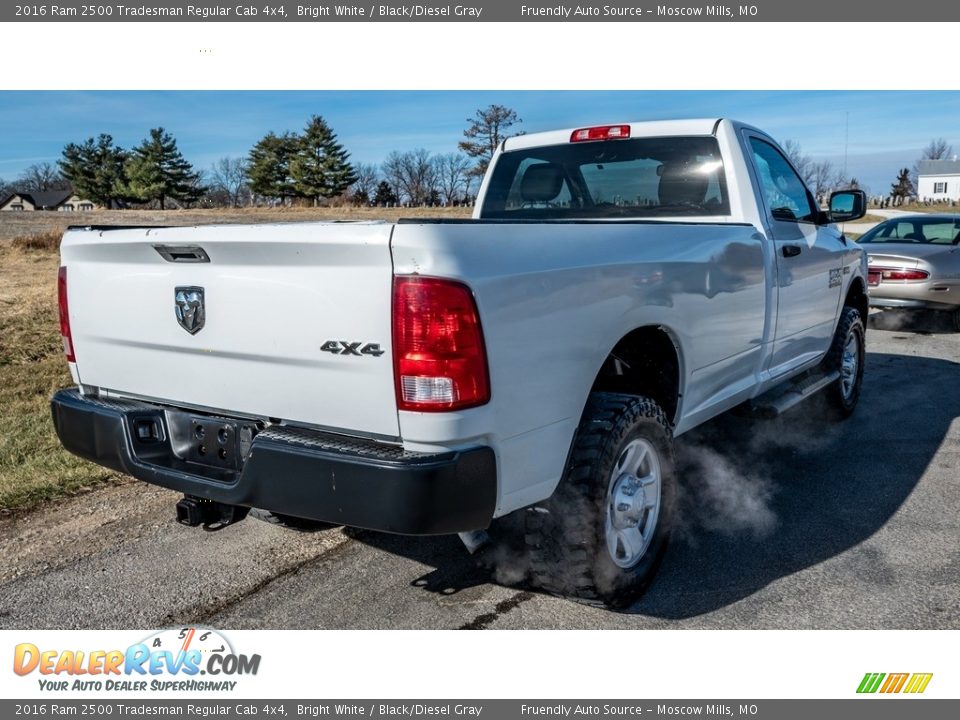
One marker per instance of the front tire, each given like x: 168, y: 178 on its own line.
x: 602, y: 534
x: 846, y: 355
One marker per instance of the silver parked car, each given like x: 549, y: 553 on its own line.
x: 915, y: 263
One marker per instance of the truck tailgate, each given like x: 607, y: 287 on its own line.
x: 273, y: 296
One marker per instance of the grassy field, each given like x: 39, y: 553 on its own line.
x: 868, y: 218
x: 18, y: 224
x: 33, y: 466
x: 944, y: 208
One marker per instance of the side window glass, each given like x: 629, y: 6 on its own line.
x: 783, y: 190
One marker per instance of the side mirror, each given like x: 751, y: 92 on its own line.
x: 847, y: 205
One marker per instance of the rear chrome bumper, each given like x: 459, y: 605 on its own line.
x: 300, y: 472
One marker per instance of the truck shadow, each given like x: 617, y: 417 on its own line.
x: 762, y: 499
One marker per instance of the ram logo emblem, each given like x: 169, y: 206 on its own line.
x: 189, y: 307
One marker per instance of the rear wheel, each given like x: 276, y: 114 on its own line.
x: 602, y: 534
x: 956, y: 319
x: 846, y: 355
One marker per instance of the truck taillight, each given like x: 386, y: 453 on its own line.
x: 601, y: 132
x: 439, y: 358
x: 64, y: 315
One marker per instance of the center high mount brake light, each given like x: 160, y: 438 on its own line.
x: 600, y: 132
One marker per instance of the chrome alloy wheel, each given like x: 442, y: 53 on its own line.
x: 633, y: 503
x: 849, y: 364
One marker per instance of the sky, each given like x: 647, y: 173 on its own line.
x: 877, y: 131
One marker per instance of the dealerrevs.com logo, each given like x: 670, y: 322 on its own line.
x: 181, y: 659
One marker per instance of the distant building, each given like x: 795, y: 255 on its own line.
x: 939, y: 180
x: 58, y: 200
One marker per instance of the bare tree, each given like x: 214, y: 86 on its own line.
x: 412, y: 174
x: 846, y: 182
x: 841, y: 181
x: 452, y: 173
x: 197, y: 191
x: 936, y: 149
x: 41, y: 178
x: 368, y: 177
x: 228, y: 177
x: 5, y: 188
x: 487, y: 129
x: 468, y: 196
x: 802, y: 162
x: 821, y: 179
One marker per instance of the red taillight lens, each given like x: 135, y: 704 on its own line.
x: 887, y: 274
x: 601, y: 132
x: 439, y: 358
x: 64, y: 315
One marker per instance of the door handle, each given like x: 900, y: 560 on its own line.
x: 791, y: 250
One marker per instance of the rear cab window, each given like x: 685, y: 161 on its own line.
x: 634, y: 178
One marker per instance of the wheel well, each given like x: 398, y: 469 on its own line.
x: 644, y: 362
x: 857, y: 298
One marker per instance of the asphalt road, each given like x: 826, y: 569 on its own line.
x: 793, y: 523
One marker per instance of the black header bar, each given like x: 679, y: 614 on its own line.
x: 858, y: 11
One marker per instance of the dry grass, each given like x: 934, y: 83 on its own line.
x: 866, y: 219
x: 49, y: 241
x: 33, y: 466
x: 15, y: 224
x: 945, y: 208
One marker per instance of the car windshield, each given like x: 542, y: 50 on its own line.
x: 935, y: 230
x: 642, y: 177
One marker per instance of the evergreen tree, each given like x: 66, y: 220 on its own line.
x: 157, y: 171
x: 903, y: 188
x: 385, y: 195
x: 487, y: 129
x: 320, y: 168
x: 95, y: 168
x: 268, y: 168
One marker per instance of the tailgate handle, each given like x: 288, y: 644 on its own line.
x: 182, y: 253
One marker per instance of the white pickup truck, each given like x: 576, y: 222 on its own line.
x: 618, y: 286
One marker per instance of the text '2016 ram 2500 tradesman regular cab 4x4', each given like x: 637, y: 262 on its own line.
x: 618, y: 286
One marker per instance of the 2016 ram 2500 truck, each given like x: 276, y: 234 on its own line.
x: 617, y: 286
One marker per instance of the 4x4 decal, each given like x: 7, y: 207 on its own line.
x: 343, y: 347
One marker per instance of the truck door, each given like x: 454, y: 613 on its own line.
x: 808, y: 259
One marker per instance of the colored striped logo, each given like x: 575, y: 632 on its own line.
x: 913, y: 683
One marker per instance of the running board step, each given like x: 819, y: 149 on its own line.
x: 780, y: 399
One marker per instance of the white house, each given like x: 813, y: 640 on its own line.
x: 939, y: 180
